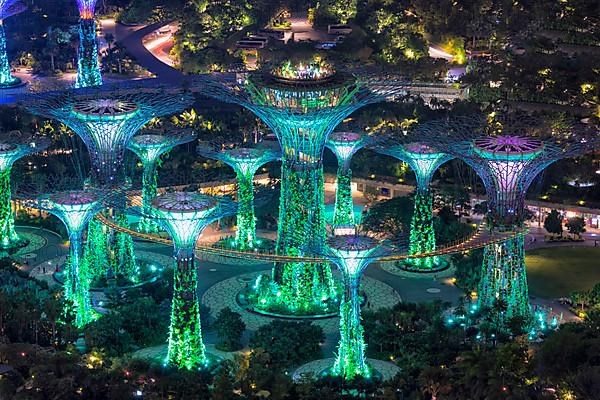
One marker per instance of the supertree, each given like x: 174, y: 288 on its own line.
x: 12, y: 148
x: 344, y: 145
x: 424, y: 160
x: 75, y: 209
x: 149, y: 147
x: 302, y: 104
x: 352, y: 254
x: 88, y: 65
x: 507, y: 156
x: 8, y: 8
x: 245, y: 162
x: 184, y: 216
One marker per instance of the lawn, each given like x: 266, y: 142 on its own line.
x: 556, y: 272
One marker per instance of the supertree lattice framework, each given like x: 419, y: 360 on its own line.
x: 88, y: 64
x: 302, y: 106
x: 106, y: 121
x: 352, y: 254
x: 75, y: 209
x: 185, y: 215
x: 507, y: 156
x: 245, y: 162
x: 344, y: 145
x: 8, y: 8
x: 149, y: 147
x: 12, y: 149
x: 424, y: 161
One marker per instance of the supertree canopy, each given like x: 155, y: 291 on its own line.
x: 424, y: 161
x: 185, y: 215
x: 7, y: 8
x: 344, y: 145
x: 88, y: 65
x: 352, y: 254
x: 106, y: 121
x: 302, y: 104
x: 245, y: 162
x: 149, y: 147
x: 13, y: 148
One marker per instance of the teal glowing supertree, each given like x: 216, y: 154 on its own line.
x: 424, y: 161
x: 7, y: 8
x: 149, y: 147
x: 13, y: 148
x: 75, y: 209
x: 245, y: 162
x: 302, y: 104
x: 88, y: 65
x: 344, y: 145
x: 185, y: 215
x: 352, y: 254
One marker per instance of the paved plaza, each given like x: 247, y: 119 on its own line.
x: 317, y: 367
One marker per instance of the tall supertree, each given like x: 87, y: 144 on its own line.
x: 344, y: 145
x: 245, y: 162
x: 8, y: 8
x: 88, y: 64
x: 149, y: 147
x: 75, y: 209
x: 184, y: 216
x: 507, y: 156
x: 352, y: 254
x: 424, y: 160
x: 12, y: 148
x: 302, y: 104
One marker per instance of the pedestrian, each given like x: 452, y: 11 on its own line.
x: 44, y: 270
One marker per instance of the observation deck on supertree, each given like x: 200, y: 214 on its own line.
x: 106, y: 121
x: 302, y: 104
x: 184, y: 216
x: 13, y: 148
x: 507, y: 156
x: 8, y: 8
x: 245, y: 162
x: 424, y: 161
x: 75, y: 209
x: 88, y: 64
x: 344, y: 145
x: 149, y: 147
x: 352, y: 254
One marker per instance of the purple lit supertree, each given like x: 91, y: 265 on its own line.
x: 8, y: 8
x: 88, y: 64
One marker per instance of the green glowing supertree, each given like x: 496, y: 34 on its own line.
x: 424, y: 161
x: 12, y: 148
x: 149, y: 147
x: 344, y: 145
x: 245, y: 162
x: 352, y: 254
x: 302, y: 104
x: 96, y: 252
x: 184, y: 216
x: 7, y: 8
x: 88, y: 64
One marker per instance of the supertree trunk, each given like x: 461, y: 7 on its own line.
x: 5, y: 77
x: 96, y: 251
x: 343, y: 213
x: 186, y: 349
x: 8, y: 236
x: 246, y: 219
x: 149, y: 191
x: 77, y: 283
x: 422, y: 233
x: 88, y: 72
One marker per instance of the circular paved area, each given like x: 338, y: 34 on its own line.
x: 390, y: 267
x: 385, y: 368
x: 224, y: 293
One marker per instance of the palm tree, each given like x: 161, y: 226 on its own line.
x: 435, y: 381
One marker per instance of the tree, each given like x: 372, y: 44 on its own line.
x: 553, y: 223
x: 230, y: 327
x: 391, y: 217
x: 435, y: 381
x: 575, y: 226
x: 223, y: 383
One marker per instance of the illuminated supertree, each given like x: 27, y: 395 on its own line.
x: 88, y: 65
x: 8, y: 8
x: 184, y: 216
x: 75, y: 209
x: 245, y: 162
x: 507, y: 156
x: 106, y: 121
x: 149, y: 147
x: 344, y: 145
x: 424, y: 161
x: 352, y: 254
x: 13, y: 148
x: 302, y: 105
